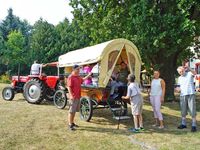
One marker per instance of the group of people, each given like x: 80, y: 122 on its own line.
x: 157, y: 93
x: 74, y: 82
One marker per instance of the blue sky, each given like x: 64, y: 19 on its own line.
x: 53, y: 11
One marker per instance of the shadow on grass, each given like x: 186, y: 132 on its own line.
x: 176, y: 105
x: 104, y: 117
x: 105, y: 130
x: 126, y: 132
x: 44, y: 102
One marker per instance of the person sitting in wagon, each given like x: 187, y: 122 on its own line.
x: 87, y: 69
x: 122, y: 74
x: 119, y: 81
x: 114, y: 84
x: 94, y: 71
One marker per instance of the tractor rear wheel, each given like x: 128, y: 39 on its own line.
x: 34, y: 91
x: 8, y: 94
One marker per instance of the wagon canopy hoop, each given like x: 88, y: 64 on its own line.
x: 100, y: 54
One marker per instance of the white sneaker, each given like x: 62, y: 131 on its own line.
x: 155, y: 125
x: 161, y: 127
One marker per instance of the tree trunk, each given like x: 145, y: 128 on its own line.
x: 168, y: 70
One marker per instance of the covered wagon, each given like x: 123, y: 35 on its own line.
x: 105, y: 59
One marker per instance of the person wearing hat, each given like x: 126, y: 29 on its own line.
x: 74, y: 82
x: 136, y: 101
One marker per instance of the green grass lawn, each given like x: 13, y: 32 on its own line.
x: 25, y: 126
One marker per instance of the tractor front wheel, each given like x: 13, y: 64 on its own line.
x: 86, y: 108
x: 8, y: 94
x: 34, y: 91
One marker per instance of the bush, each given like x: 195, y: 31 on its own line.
x: 5, y: 78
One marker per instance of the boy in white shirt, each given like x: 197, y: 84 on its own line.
x: 136, y: 100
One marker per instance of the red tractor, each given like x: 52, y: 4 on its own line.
x: 17, y: 85
x: 35, y: 88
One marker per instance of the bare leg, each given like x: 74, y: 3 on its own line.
x: 71, y: 118
x: 161, y: 124
x: 156, y: 122
x: 135, y: 118
x: 140, y: 121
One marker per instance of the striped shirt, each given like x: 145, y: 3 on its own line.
x: 186, y: 84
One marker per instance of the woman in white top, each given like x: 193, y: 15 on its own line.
x: 157, y: 94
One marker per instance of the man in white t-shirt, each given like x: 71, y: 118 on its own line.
x: 36, y: 68
x: 187, y: 95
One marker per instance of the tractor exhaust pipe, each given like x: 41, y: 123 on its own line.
x: 18, y: 72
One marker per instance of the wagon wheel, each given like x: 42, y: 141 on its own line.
x: 86, y: 108
x: 8, y: 94
x: 60, y: 99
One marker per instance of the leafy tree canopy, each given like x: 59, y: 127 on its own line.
x: 161, y: 29
x: 43, y: 40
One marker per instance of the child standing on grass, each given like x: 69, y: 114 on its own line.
x: 136, y: 100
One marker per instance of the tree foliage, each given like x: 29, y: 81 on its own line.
x: 71, y: 37
x: 12, y: 26
x: 43, y: 41
x: 161, y: 29
x: 103, y: 19
x: 164, y: 31
x: 15, y: 47
x: 12, y: 23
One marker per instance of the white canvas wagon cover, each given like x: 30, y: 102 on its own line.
x: 100, y: 53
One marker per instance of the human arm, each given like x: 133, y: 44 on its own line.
x: 163, y: 90
x: 69, y: 85
x: 192, y: 71
x: 86, y: 77
x: 44, y: 65
x: 70, y: 92
x: 178, y: 89
x: 126, y: 97
x: 186, y: 66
